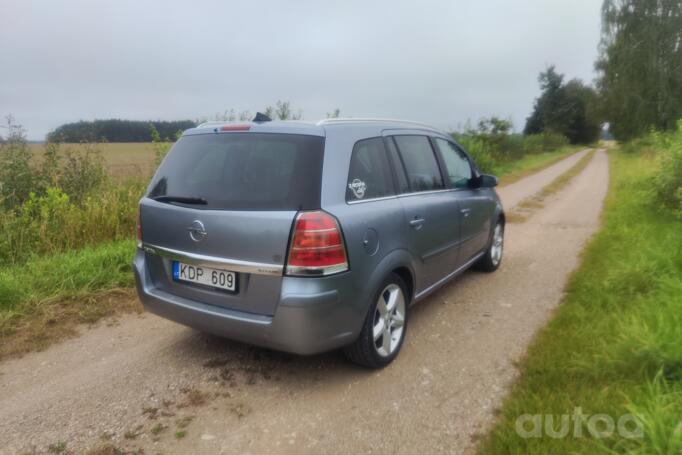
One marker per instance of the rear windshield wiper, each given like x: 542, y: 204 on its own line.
x: 182, y: 199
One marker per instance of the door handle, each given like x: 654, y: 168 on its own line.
x: 417, y: 222
x: 465, y: 212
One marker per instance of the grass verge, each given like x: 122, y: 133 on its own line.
x: 44, y: 299
x: 614, y: 345
x: 526, y: 207
x: 512, y: 171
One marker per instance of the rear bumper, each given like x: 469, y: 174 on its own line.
x: 311, y: 316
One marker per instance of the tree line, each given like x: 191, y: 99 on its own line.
x: 116, y: 130
x: 565, y: 108
x: 640, y: 66
x: 639, y: 77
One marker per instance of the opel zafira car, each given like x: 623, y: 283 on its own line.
x: 308, y: 237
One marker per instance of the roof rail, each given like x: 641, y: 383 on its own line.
x: 328, y: 121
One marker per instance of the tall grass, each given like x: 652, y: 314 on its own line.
x: 493, y: 151
x: 45, y: 298
x: 63, y: 275
x: 614, y: 345
x: 53, y: 222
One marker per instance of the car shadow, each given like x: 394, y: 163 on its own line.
x: 233, y: 363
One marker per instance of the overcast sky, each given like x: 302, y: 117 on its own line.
x: 440, y: 62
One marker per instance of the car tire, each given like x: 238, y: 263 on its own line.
x: 493, y: 255
x: 383, y: 331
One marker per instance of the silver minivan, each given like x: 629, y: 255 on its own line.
x: 307, y: 237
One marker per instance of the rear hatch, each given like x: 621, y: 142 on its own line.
x: 227, y: 201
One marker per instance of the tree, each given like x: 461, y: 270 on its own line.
x: 283, y: 111
x: 494, y: 126
x: 269, y: 112
x: 544, y: 114
x: 640, y: 65
x: 577, y: 117
x: 565, y: 108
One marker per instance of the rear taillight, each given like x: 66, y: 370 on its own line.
x: 317, y: 246
x: 139, y: 228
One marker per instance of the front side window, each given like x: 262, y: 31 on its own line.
x: 368, y: 176
x: 456, y: 163
x: 420, y: 163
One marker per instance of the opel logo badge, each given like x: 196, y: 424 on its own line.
x: 197, y: 232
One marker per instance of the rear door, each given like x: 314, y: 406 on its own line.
x: 475, y: 205
x: 431, y: 211
x: 245, y: 190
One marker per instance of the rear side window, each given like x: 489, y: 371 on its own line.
x: 456, y: 163
x: 420, y: 163
x: 244, y: 171
x: 368, y: 175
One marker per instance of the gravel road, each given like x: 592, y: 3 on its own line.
x: 141, y: 382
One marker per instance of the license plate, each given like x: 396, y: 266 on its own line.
x: 217, y: 278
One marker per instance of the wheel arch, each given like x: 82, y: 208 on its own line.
x: 406, y: 275
x: 398, y: 261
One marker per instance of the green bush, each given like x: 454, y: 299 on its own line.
x: 82, y: 173
x: 645, y: 144
x: 59, y: 202
x: 481, y: 151
x: 492, y: 150
x: 667, y: 182
x: 543, y: 142
x: 666, y: 149
x: 17, y: 178
x: 53, y: 222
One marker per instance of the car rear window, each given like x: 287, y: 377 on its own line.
x: 244, y: 171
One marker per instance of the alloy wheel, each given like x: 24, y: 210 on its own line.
x: 389, y: 320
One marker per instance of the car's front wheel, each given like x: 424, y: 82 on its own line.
x: 384, y: 328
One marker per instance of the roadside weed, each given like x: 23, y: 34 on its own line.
x: 614, y: 345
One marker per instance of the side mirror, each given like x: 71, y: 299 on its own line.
x: 486, y: 181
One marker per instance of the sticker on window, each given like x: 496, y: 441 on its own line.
x: 358, y: 187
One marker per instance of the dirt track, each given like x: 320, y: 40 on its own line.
x: 454, y: 370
